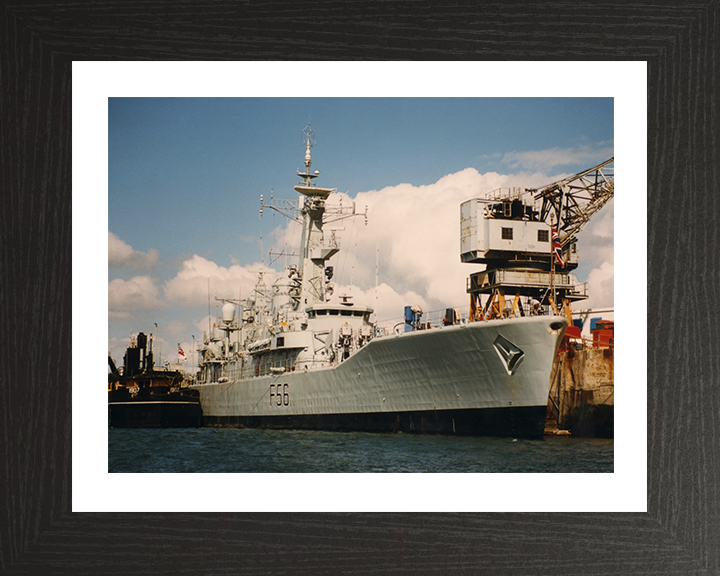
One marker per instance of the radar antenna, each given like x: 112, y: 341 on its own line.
x: 308, y: 136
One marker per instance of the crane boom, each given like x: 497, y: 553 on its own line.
x: 572, y: 201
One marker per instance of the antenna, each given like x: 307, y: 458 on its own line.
x: 262, y: 252
x: 352, y: 268
x: 308, y: 135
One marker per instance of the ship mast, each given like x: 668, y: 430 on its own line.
x: 314, y: 250
x: 311, y: 212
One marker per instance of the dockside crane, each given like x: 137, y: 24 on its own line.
x: 527, y: 238
x: 573, y: 201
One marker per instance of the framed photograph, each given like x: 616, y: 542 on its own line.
x: 656, y: 512
x: 212, y: 307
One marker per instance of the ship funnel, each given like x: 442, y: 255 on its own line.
x: 228, y: 313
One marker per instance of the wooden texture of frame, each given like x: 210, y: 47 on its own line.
x: 681, y: 530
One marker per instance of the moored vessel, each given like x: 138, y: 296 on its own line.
x: 295, y: 355
x: 143, y: 396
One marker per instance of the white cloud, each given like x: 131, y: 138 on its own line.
x: 388, y: 304
x: 115, y: 315
x: 122, y: 254
x: 601, y: 287
x: 416, y: 230
x: 205, y: 323
x: 596, y: 252
x: 189, y: 288
x: 603, y: 222
x: 596, y: 249
x: 548, y: 159
x: 116, y: 349
x: 176, y: 330
x: 138, y: 293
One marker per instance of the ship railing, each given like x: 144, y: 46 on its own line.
x: 332, y: 242
x: 578, y: 288
x: 437, y: 318
x: 428, y: 320
x: 246, y: 368
x: 507, y: 279
x: 314, y: 365
x: 505, y: 194
x: 585, y: 343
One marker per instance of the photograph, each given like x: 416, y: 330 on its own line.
x: 360, y: 284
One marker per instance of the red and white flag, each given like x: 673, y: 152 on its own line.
x: 557, y: 248
x: 181, y: 354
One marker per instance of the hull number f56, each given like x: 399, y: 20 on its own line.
x: 279, y: 395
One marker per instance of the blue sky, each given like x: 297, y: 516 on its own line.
x: 185, y: 176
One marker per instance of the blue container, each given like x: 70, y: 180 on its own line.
x: 592, y: 323
x: 578, y: 322
x: 409, y: 315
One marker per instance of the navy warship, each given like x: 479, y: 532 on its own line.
x: 295, y: 355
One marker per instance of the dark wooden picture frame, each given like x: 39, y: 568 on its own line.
x: 39, y: 534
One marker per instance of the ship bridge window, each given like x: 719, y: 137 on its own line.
x: 507, y: 233
x: 346, y: 312
x: 321, y: 312
x: 543, y: 236
x: 334, y: 312
x: 358, y: 313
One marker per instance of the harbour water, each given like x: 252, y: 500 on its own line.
x: 212, y: 450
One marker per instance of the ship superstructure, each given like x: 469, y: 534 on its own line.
x: 292, y: 325
x: 297, y: 356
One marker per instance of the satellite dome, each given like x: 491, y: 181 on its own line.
x: 228, y: 312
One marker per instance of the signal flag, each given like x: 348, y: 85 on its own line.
x: 557, y: 248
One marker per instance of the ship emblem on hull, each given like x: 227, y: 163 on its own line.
x: 510, y: 355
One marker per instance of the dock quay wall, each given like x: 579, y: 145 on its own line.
x: 581, y: 396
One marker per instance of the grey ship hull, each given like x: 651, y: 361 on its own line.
x: 481, y: 378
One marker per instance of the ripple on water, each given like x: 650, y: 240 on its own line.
x: 271, y: 451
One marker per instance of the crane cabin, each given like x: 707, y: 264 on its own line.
x: 506, y: 228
